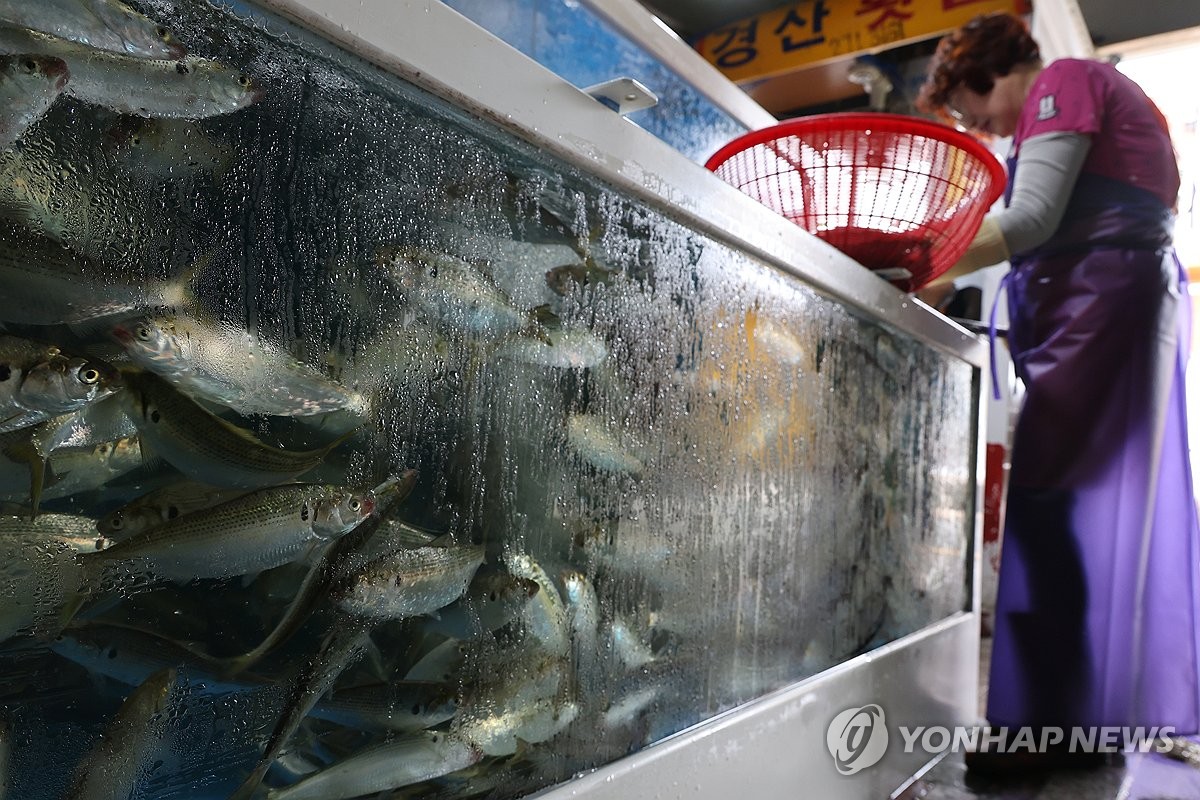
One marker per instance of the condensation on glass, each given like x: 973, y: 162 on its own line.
x: 712, y: 480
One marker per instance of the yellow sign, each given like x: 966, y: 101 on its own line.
x: 808, y: 33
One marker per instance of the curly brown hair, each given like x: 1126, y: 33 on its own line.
x: 986, y: 48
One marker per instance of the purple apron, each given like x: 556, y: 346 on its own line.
x: 1096, y: 612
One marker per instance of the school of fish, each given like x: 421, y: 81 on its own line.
x: 136, y: 393
x: 348, y: 449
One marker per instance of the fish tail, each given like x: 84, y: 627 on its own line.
x: 539, y: 319
x: 179, y: 291
x: 235, y: 665
x: 70, y: 609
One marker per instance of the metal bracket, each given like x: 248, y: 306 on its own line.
x: 623, y: 95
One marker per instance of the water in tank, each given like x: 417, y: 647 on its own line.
x: 352, y: 445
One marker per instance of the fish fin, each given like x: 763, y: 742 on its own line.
x: 486, y: 350
x: 522, y: 751
x: 376, y: 663
x: 394, y: 490
x: 69, y: 610
x: 536, y: 328
x: 544, y: 315
x: 27, y: 453
x: 179, y: 292
x: 150, y: 458
x: 42, y: 437
x: 335, y: 444
x: 445, y: 540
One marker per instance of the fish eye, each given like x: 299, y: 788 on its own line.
x: 142, y: 332
x: 89, y: 375
x: 29, y: 65
x: 116, y: 521
x: 163, y: 33
x: 304, y: 512
x: 354, y: 504
x: 244, y: 81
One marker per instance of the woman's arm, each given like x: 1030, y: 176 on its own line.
x: 1047, y: 168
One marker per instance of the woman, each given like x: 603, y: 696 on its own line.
x: 1097, y: 617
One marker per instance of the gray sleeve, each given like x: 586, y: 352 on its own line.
x: 1047, y: 168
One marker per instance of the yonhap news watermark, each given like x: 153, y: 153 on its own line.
x: 858, y: 738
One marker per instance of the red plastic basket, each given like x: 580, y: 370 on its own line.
x: 900, y: 195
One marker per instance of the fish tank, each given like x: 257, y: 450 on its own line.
x: 357, y: 444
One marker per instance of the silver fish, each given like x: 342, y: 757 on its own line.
x: 53, y: 187
x: 345, y: 644
x: 117, y: 763
x: 29, y: 85
x: 86, y: 430
x: 455, y: 293
x: 17, y: 358
x: 205, y: 447
x: 75, y: 531
x: 391, y: 536
x: 590, y: 437
x: 492, y: 600
x: 40, y: 578
x: 166, y: 149
x: 104, y: 24
x: 402, y: 762
x: 99, y: 422
x: 187, y: 88
x: 440, y: 665
x: 583, y: 612
x: 409, y: 582
x: 130, y: 655
x: 565, y: 348
x: 403, y: 353
x: 231, y: 367
x: 162, y: 505
x: 298, y: 612
x: 399, y: 706
x: 627, y: 644
x: 257, y: 531
x: 83, y: 469
x: 525, y: 702
x: 38, y: 381
x: 333, y: 561
x: 41, y: 280
x: 545, y: 617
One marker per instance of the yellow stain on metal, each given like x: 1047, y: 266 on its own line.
x: 818, y: 31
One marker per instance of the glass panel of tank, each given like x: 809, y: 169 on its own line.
x: 350, y: 445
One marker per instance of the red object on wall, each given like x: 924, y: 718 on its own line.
x: 993, y: 492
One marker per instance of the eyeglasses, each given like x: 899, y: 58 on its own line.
x: 963, y: 119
